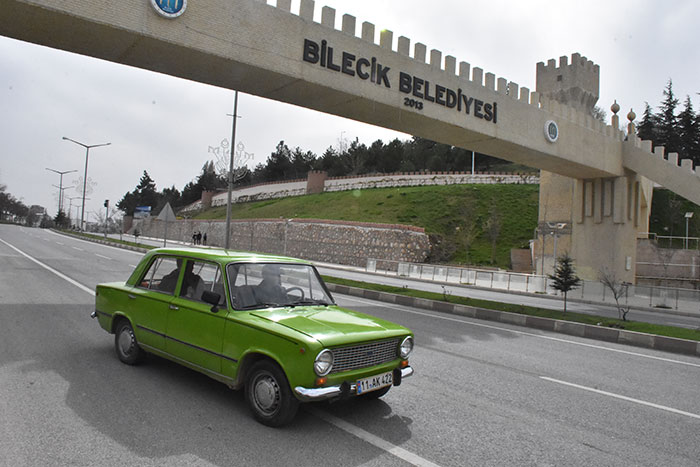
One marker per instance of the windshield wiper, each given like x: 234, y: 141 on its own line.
x: 309, y: 302
x: 261, y: 305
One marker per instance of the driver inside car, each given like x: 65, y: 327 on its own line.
x: 270, y: 290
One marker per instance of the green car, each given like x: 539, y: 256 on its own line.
x: 267, y: 324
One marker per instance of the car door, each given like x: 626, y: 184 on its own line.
x: 149, y: 301
x: 195, y: 332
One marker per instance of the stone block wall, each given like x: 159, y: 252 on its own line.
x: 337, y: 242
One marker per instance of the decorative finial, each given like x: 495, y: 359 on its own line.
x: 615, y: 107
x: 631, y: 116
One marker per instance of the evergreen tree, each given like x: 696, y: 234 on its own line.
x: 689, y: 129
x: 669, y: 136
x: 564, y: 277
x: 648, y: 129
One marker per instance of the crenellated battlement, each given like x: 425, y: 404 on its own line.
x: 576, y: 84
x: 572, y: 88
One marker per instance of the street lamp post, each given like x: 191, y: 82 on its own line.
x: 60, y: 187
x: 227, y: 240
x: 87, y: 155
x: 688, y: 215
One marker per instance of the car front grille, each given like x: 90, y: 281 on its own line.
x: 365, y: 355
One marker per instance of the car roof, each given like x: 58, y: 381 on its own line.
x: 224, y: 256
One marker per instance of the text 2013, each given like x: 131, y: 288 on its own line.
x: 408, y: 102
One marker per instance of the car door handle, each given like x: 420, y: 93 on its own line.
x: 131, y: 296
x: 173, y: 307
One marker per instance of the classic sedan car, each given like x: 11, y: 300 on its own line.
x: 266, y: 324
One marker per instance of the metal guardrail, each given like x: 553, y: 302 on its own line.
x: 687, y: 300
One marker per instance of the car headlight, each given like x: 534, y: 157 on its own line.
x: 323, y: 363
x: 406, y: 347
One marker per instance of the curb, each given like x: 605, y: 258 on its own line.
x: 103, y: 242
x: 619, y: 336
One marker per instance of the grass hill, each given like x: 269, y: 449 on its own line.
x: 462, y: 220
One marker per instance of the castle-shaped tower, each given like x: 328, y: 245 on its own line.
x: 576, y: 215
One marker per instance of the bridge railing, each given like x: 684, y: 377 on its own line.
x: 643, y: 296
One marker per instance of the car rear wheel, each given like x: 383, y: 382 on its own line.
x: 269, y: 396
x: 125, y: 344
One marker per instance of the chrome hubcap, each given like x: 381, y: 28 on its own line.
x: 266, y: 393
x: 125, y: 342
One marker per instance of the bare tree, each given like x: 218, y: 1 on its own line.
x: 618, y: 289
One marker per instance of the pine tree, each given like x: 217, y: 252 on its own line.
x: 668, y: 130
x: 689, y: 129
x: 648, y: 128
x: 564, y: 277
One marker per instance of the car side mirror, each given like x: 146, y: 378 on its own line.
x: 211, y: 298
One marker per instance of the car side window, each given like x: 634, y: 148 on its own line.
x: 202, y: 276
x: 162, y: 275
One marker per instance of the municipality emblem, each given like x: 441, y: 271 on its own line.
x: 169, y: 8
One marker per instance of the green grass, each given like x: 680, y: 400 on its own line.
x: 661, y: 330
x: 444, y: 211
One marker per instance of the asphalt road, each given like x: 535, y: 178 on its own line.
x: 483, y: 393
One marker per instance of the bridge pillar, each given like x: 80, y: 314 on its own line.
x: 597, y: 220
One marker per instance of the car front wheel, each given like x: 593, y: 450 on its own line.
x: 125, y: 344
x: 269, y: 396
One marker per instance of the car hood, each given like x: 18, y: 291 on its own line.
x: 333, y: 325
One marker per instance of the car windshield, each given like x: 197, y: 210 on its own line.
x: 262, y: 285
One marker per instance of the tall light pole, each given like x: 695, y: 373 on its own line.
x: 227, y: 241
x: 688, y: 215
x: 70, y: 207
x: 61, y: 189
x: 60, y: 185
x: 87, y: 155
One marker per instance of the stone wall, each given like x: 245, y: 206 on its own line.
x: 337, y: 242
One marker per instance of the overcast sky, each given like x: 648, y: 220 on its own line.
x: 166, y: 125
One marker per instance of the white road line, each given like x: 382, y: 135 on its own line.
x: 624, y: 398
x: 132, y: 265
x: 50, y: 269
x: 76, y: 248
x: 376, y: 441
x: 524, y: 333
x: 105, y: 257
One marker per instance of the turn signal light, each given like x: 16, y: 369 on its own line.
x: 321, y: 381
x: 404, y: 363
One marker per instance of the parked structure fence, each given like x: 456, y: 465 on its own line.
x: 687, y: 300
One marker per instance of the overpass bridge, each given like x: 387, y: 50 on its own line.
x: 596, y: 180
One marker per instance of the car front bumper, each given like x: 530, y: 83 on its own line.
x: 343, y: 390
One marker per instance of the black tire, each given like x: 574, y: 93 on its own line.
x: 269, y: 396
x: 125, y: 344
x: 375, y: 394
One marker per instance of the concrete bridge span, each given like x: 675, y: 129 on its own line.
x: 272, y: 52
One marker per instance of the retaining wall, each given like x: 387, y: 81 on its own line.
x: 339, y: 242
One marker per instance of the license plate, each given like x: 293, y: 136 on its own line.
x: 375, y: 382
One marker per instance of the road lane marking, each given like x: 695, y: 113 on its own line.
x: 105, y: 257
x: 50, y: 269
x: 76, y: 248
x: 524, y: 333
x: 624, y: 398
x: 376, y: 441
